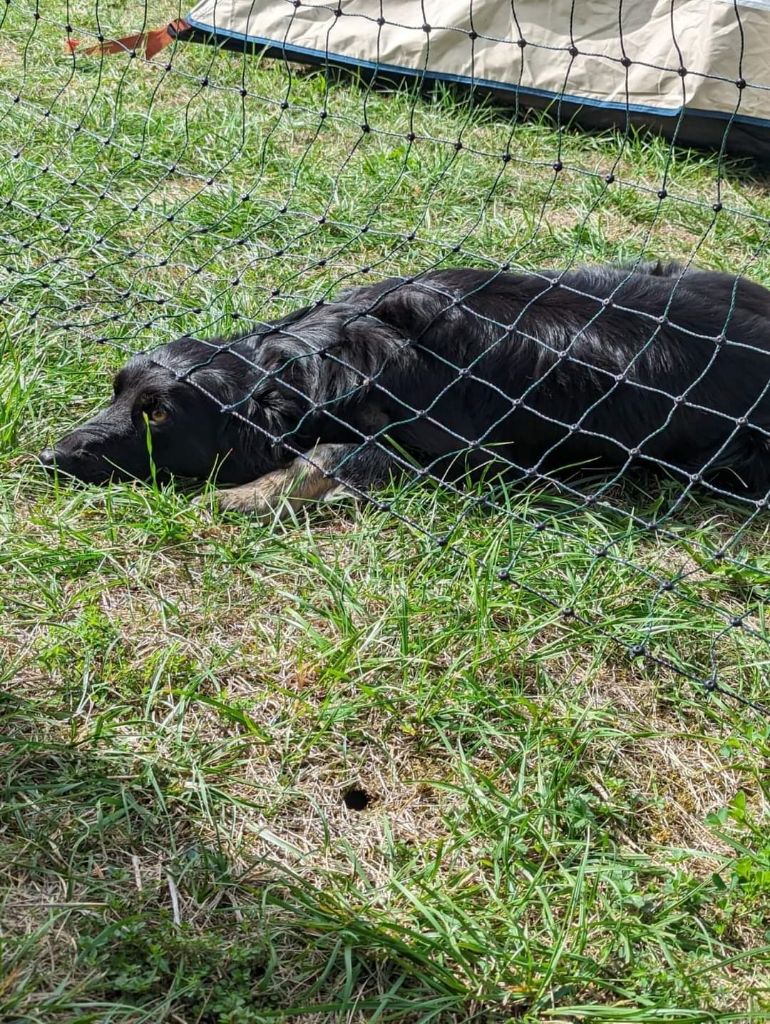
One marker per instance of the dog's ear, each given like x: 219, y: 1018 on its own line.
x: 282, y: 376
x: 288, y: 386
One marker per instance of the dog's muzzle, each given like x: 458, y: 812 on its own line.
x: 81, y: 464
x: 47, y: 459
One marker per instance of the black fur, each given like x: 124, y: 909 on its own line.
x: 456, y: 370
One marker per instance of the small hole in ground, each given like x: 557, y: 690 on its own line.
x: 356, y: 799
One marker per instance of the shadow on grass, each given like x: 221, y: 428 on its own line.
x: 121, y: 904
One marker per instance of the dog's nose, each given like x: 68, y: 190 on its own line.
x: 47, y: 458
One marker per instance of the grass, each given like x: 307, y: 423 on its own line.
x: 336, y: 770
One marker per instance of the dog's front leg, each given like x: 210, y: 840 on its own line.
x: 328, y: 472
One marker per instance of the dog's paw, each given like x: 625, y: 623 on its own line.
x: 303, y: 483
x: 263, y: 498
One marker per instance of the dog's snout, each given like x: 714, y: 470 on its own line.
x: 68, y: 460
x: 47, y: 458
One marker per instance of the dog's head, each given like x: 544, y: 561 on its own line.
x: 241, y: 406
x: 188, y: 409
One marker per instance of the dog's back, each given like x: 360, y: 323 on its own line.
x: 602, y: 366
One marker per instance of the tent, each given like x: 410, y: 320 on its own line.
x: 697, y: 70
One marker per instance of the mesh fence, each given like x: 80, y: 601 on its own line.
x: 212, y: 190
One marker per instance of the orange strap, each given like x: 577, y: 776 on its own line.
x: 153, y: 41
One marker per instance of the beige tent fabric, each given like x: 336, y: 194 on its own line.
x: 660, y: 54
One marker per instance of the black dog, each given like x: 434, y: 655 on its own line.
x: 457, y: 372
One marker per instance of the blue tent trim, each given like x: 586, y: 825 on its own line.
x: 289, y: 50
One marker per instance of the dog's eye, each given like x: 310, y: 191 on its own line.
x: 157, y: 415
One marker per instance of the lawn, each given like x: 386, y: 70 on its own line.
x: 431, y: 762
